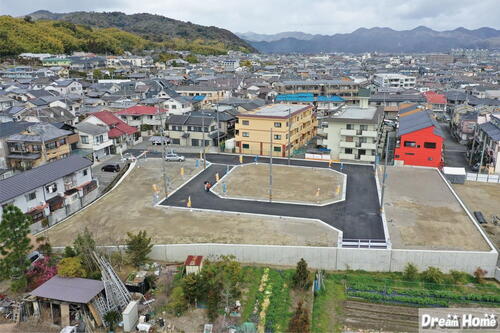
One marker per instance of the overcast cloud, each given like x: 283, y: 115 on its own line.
x: 272, y: 16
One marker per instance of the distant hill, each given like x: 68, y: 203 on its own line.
x: 420, y: 39
x: 18, y: 35
x: 155, y: 28
x: 254, y: 37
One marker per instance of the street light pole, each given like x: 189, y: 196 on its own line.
x: 271, y: 167
x: 385, y: 172
x: 203, y: 138
x: 164, y: 144
x: 289, y: 132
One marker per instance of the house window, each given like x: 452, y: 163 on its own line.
x: 245, y: 122
x: 277, y: 149
x: 363, y: 127
x: 31, y: 196
x: 50, y: 145
x: 195, y: 142
x: 136, y: 118
x: 277, y: 124
x: 84, y: 139
x: 412, y: 144
x: 348, y: 150
x: 277, y: 137
x: 430, y: 145
x: 245, y: 146
x: 349, y: 126
x: 245, y: 134
x: 51, y: 188
x: 176, y: 141
x: 85, y: 172
x: 99, y: 139
x: 174, y: 107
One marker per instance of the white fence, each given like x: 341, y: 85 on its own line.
x: 483, y: 177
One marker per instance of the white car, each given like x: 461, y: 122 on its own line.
x: 172, y: 157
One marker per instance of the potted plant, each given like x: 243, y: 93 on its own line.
x: 112, y: 318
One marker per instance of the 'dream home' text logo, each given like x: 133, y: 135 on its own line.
x: 459, y: 321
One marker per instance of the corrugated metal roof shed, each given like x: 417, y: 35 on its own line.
x: 73, y: 290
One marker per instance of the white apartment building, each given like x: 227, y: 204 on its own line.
x: 394, y: 80
x: 352, y: 133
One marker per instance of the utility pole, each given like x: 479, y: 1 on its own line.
x: 203, y: 138
x: 271, y: 167
x: 482, y: 155
x: 164, y: 143
x: 218, y: 129
x: 472, y: 149
x: 289, y: 132
x: 385, y: 172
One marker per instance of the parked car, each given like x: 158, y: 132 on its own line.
x: 475, y: 167
x: 111, y: 168
x: 172, y: 157
x: 127, y: 157
x: 34, y: 257
x: 479, y: 217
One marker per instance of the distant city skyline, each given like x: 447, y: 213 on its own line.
x: 309, y: 16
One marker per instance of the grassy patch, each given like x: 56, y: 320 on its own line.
x: 252, y: 280
x: 327, y: 307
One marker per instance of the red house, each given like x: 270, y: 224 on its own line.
x: 420, y: 140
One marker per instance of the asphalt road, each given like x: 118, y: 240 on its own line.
x: 358, y: 216
x: 454, y: 152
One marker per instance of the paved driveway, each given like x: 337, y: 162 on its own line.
x: 358, y: 217
x: 454, y: 152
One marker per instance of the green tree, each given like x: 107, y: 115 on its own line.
x: 411, y: 272
x: 433, y: 275
x: 458, y: 277
x: 71, y: 267
x: 301, y: 278
x: 213, y: 301
x: 69, y: 252
x: 192, y: 59
x: 84, y: 246
x: 246, y: 63
x: 138, y: 247
x: 193, y: 287
x: 177, y: 302
x: 14, y: 243
x: 112, y: 318
x: 300, y: 320
x: 28, y: 19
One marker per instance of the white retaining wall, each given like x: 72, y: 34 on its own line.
x: 332, y: 258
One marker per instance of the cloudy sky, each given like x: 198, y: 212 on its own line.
x: 272, y: 16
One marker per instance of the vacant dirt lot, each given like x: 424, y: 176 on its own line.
x: 291, y: 184
x: 485, y: 198
x: 129, y: 209
x: 422, y: 213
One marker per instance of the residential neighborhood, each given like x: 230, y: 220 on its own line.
x: 331, y: 174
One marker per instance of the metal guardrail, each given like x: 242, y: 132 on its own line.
x: 364, y: 243
x: 483, y: 177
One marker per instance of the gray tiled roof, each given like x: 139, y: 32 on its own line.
x: 13, y: 127
x: 48, y: 131
x: 418, y: 121
x: 89, y: 128
x: 491, y: 130
x: 32, y: 179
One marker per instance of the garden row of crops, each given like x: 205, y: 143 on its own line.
x: 268, y: 300
x: 398, y: 299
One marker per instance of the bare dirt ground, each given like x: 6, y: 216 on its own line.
x: 291, y: 184
x: 369, y: 317
x: 422, y: 213
x: 485, y: 198
x: 129, y: 209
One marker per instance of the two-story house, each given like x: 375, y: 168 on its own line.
x: 191, y: 130
x: 143, y: 118
x: 94, y: 139
x: 123, y: 136
x: 37, y: 144
x: 49, y: 192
